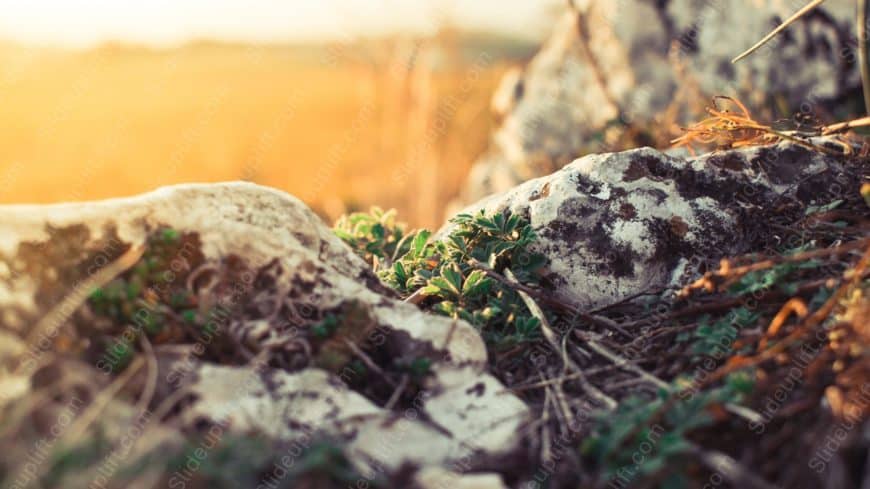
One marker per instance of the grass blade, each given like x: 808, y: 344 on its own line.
x: 797, y: 15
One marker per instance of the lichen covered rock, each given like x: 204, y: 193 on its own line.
x: 618, y: 224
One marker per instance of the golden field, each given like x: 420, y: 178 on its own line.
x: 343, y: 127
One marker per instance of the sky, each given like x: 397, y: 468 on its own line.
x: 82, y: 23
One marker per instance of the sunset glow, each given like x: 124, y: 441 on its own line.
x: 85, y: 22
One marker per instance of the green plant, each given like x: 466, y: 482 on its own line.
x: 252, y: 461
x: 326, y: 327
x: 643, y: 436
x: 776, y: 276
x: 154, y: 299
x: 717, y: 338
x: 67, y: 460
x: 451, y: 273
x: 375, y: 235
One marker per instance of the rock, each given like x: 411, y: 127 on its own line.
x: 610, y: 63
x: 614, y: 225
x: 283, y: 254
x: 508, y: 91
x: 439, y: 478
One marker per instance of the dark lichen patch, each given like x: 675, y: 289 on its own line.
x: 731, y: 190
x: 782, y: 164
x: 612, y: 257
x: 827, y: 186
x: 718, y: 230
x: 563, y: 231
x: 627, y: 211
x: 271, y: 379
x: 671, y: 247
x: 574, y: 211
x: 733, y: 187
x: 635, y: 171
x: 478, y: 389
x: 586, y: 185
x: 727, y: 161
x: 618, y: 258
x: 679, y: 226
x: 617, y: 193
x: 305, y: 240
x: 657, y: 194
x: 657, y: 168
x: 647, y: 166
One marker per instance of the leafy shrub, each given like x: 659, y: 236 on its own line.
x: 454, y: 274
x: 375, y: 235
x: 716, y: 339
x: 643, y: 437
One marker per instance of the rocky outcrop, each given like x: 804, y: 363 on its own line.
x: 303, y: 341
x: 609, y: 64
x: 619, y: 224
x: 292, y: 274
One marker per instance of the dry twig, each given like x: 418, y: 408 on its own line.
x: 730, y: 129
x: 550, y: 336
x: 789, y: 21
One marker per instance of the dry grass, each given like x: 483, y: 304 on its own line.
x: 333, y: 127
x: 729, y: 128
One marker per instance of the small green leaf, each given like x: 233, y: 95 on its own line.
x: 652, y: 465
x: 420, y: 241
x: 672, y: 444
x: 189, y: 315
x: 420, y: 366
x: 472, y: 282
x: 740, y: 382
x: 433, y: 288
x: 345, y: 236
x: 453, y: 275
x: 499, y: 222
x: 399, y: 270
x: 459, y: 243
x: 170, y: 235
x: 97, y: 295
x: 815, y: 209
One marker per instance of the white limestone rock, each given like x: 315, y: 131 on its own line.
x: 47, y: 250
x: 617, y: 224
x: 439, y: 478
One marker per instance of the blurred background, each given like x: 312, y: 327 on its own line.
x: 344, y: 103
